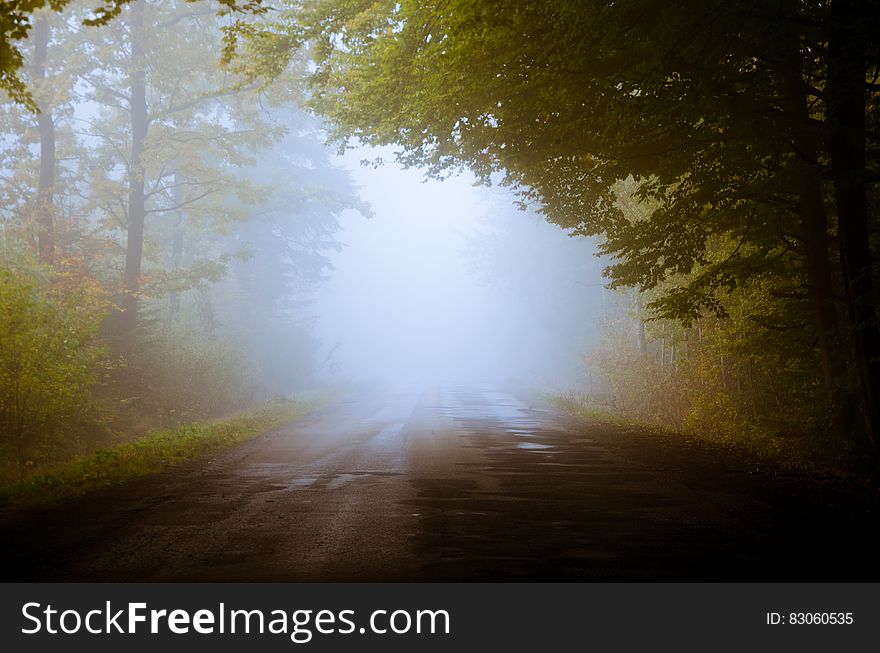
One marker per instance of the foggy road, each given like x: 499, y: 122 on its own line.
x: 451, y: 483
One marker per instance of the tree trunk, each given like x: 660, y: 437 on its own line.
x: 46, y: 129
x: 640, y: 324
x: 136, y: 200
x: 176, y: 244
x: 813, y: 220
x: 845, y: 108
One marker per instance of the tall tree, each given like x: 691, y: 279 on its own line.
x: 137, y: 95
x: 46, y: 126
x: 41, y: 178
x: 849, y: 34
x: 16, y: 22
x: 727, y: 115
x: 182, y: 121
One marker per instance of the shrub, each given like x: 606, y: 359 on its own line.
x: 174, y: 374
x: 47, y: 365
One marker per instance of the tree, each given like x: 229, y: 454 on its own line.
x: 171, y: 143
x: 852, y: 58
x: 726, y: 114
x: 41, y: 150
x: 143, y: 118
x: 45, y: 190
x: 16, y: 23
x: 289, y: 235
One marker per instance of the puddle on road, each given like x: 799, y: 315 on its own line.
x: 296, y: 484
x: 332, y: 481
x: 340, y: 480
x: 533, y: 446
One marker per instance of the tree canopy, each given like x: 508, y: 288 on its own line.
x: 745, y: 131
x: 16, y: 21
x: 158, y: 189
x: 724, y: 155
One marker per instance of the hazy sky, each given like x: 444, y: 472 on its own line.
x: 409, y: 299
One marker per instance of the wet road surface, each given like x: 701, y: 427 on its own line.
x: 452, y: 483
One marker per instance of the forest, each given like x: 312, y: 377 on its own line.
x: 140, y: 179
x: 171, y: 201
x: 724, y: 154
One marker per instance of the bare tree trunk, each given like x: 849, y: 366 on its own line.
x: 176, y: 243
x: 604, y: 305
x: 46, y: 129
x: 814, y: 224
x: 847, y: 47
x: 136, y: 200
x: 663, y: 353
x: 640, y: 324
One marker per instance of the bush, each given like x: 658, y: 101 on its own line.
x: 174, y: 375
x: 722, y: 380
x: 47, y: 364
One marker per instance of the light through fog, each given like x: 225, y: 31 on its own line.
x: 449, y: 281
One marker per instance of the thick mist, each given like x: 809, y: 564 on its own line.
x: 449, y: 281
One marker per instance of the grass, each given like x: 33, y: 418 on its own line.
x: 769, y: 450
x: 155, y: 452
x: 773, y: 453
x: 581, y: 407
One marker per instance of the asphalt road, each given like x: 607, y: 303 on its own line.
x: 453, y: 483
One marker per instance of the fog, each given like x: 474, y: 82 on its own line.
x: 209, y: 249
x: 449, y: 281
x: 296, y: 265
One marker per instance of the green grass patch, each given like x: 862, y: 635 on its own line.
x: 772, y: 452
x: 155, y: 452
x: 582, y: 407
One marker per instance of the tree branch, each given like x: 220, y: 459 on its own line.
x: 186, y: 203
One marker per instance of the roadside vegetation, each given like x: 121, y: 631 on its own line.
x: 167, y: 199
x: 155, y: 452
x: 165, y: 218
x: 728, y: 177
x: 775, y: 451
x: 720, y: 380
